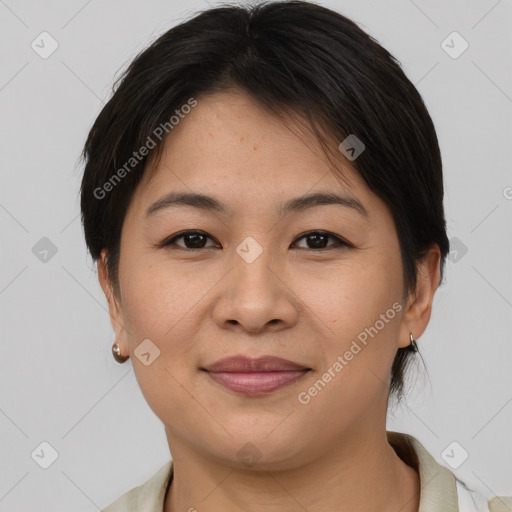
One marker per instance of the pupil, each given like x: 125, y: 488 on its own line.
x: 195, y: 240
x: 322, y: 237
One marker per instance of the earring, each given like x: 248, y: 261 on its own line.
x: 413, y: 347
x: 116, y: 352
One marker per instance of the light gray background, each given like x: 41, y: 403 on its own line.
x: 58, y: 380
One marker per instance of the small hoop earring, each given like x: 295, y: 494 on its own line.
x: 116, y: 352
x: 413, y: 347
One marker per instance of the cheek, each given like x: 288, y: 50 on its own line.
x: 357, y: 356
x: 355, y: 294
x: 159, y: 301
x: 160, y: 306
x: 362, y: 307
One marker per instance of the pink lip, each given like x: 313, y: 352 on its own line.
x: 256, y: 383
x: 255, y: 377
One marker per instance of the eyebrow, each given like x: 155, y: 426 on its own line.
x: 302, y: 203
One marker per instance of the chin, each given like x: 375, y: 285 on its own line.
x: 259, y: 451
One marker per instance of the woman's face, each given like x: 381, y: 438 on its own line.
x: 252, y: 284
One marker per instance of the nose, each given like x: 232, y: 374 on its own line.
x: 255, y: 296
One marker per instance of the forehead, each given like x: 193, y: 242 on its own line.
x: 229, y: 145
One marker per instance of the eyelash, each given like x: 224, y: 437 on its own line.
x: 171, y: 241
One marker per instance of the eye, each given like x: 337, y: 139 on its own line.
x: 195, y: 240
x: 318, y: 240
x: 192, y: 240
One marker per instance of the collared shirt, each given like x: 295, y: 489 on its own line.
x: 440, y: 490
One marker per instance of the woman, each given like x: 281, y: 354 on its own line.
x: 263, y: 195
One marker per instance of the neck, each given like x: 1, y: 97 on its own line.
x: 361, y: 473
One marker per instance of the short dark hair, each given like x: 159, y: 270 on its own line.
x: 291, y: 56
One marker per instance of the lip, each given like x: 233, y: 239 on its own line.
x: 244, y: 364
x: 255, y: 377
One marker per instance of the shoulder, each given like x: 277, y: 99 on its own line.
x: 147, y: 497
x: 440, y: 489
x: 470, y: 500
x: 500, y: 504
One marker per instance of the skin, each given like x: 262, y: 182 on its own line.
x: 294, y: 301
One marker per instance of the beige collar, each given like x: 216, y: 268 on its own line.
x: 438, y: 491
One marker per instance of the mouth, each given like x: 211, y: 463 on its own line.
x: 255, y: 377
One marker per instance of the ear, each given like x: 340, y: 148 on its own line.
x: 114, y: 306
x: 419, y: 304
